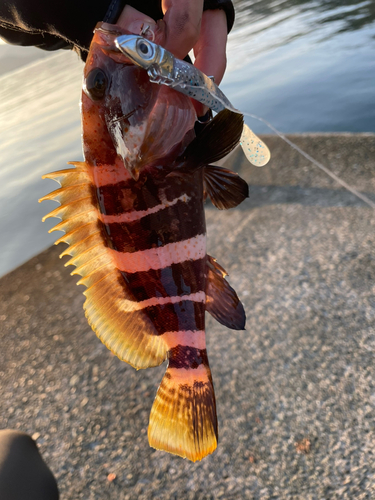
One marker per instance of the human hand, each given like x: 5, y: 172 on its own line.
x: 187, y: 27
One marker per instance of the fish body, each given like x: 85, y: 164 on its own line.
x: 133, y: 217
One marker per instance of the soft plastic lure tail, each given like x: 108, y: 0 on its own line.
x: 164, y: 69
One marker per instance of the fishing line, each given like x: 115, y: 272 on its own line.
x: 301, y: 151
x: 315, y: 162
x: 326, y: 170
x: 254, y: 149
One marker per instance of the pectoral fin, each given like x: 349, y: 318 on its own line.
x: 216, y: 140
x: 222, y: 301
x: 225, y: 188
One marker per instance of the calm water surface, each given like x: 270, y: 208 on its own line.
x: 305, y: 65
x: 302, y: 65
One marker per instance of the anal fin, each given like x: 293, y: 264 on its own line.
x: 222, y: 301
x: 225, y: 188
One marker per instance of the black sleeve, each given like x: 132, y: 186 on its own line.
x: 68, y: 24
x: 51, y: 25
x: 225, y: 5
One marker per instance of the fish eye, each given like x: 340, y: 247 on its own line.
x: 145, y: 49
x: 96, y: 84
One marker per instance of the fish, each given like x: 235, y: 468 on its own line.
x: 133, y: 217
x: 165, y: 69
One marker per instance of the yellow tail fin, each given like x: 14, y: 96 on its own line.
x: 183, y: 417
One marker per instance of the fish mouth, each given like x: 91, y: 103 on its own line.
x: 108, y: 34
x: 110, y: 49
x: 116, y: 55
x: 108, y: 29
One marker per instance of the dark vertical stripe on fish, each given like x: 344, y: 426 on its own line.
x: 184, y: 356
x: 143, y: 194
x: 170, y: 225
x: 178, y: 279
x: 184, y: 315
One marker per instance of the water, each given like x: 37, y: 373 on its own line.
x: 40, y: 132
x: 305, y: 66
x: 302, y: 65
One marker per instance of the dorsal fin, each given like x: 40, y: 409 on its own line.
x: 222, y: 301
x: 129, y: 334
x: 225, y: 188
x: 216, y: 140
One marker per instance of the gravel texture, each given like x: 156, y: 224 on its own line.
x: 295, y: 391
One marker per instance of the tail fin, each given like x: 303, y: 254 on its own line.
x: 183, y: 417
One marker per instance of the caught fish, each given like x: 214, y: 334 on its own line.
x: 163, y: 68
x: 133, y: 217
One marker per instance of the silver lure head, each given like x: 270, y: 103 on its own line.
x: 146, y: 54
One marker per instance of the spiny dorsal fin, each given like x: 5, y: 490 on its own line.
x: 225, y: 188
x: 130, y: 335
x: 216, y: 140
x: 222, y: 301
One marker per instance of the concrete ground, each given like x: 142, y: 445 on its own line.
x: 295, y: 391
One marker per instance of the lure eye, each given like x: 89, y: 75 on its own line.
x: 145, y: 49
x: 96, y: 84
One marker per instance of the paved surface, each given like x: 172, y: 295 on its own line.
x: 295, y: 391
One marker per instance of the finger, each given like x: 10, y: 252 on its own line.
x: 210, y: 49
x: 183, y: 22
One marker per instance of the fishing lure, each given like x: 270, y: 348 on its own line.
x: 164, y: 69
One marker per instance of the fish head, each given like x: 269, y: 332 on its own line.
x: 126, y: 117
